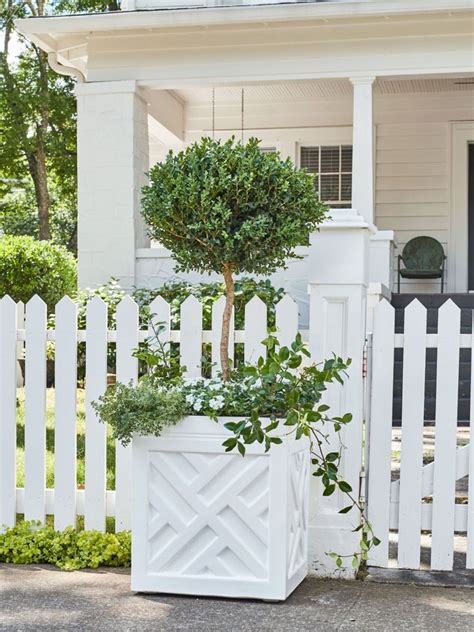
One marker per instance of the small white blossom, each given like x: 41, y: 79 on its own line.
x: 216, y: 402
x: 198, y: 405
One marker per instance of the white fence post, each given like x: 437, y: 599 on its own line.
x: 338, y: 273
x: 7, y: 412
x: 376, y: 293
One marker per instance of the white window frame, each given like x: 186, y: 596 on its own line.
x: 340, y: 203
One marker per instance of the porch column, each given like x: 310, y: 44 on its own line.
x: 112, y: 162
x: 338, y: 279
x: 363, y: 148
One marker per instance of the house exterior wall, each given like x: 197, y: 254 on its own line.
x: 413, y: 162
x: 112, y: 162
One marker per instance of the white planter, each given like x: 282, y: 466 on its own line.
x: 206, y: 522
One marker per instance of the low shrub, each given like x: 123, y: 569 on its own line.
x: 144, y: 409
x: 29, y: 267
x: 28, y: 543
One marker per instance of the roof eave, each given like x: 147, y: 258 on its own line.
x: 37, y: 27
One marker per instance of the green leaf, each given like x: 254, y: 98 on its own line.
x: 344, y: 487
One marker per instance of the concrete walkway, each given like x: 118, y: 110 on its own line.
x: 43, y: 598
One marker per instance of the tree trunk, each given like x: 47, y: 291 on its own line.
x: 37, y: 165
x: 226, y: 318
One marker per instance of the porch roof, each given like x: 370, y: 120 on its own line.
x: 292, y: 40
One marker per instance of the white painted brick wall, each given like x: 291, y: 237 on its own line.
x: 112, y: 162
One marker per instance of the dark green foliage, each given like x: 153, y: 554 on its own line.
x: 28, y: 543
x: 226, y: 203
x: 175, y: 292
x: 19, y: 215
x: 29, y: 267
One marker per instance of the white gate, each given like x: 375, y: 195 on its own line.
x: 421, y: 502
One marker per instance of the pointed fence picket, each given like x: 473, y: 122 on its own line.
x: 191, y: 337
x: 65, y: 382
x: 35, y: 410
x: 411, y: 461
x: 29, y: 336
x: 96, y: 383
x: 127, y: 371
x: 444, y: 482
x: 380, y: 437
x: 423, y: 497
x: 255, y: 330
x: 470, y: 510
x: 8, y: 355
x: 286, y: 320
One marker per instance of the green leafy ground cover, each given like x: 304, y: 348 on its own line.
x: 71, y: 549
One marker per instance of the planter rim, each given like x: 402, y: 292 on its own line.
x: 199, y: 425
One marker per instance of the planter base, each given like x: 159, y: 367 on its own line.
x: 211, y: 523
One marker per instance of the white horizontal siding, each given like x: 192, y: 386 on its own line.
x: 412, y: 185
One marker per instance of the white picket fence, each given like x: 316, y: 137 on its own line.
x: 424, y: 497
x: 65, y: 502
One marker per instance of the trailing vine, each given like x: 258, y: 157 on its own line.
x: 282, y: 371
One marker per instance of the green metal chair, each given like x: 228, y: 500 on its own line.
x: 423, y: 258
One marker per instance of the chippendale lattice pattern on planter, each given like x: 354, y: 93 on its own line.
x: 200, y: 504
x: 298, y: 511
x: 207, y: 525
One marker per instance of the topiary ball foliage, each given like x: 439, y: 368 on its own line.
x: 29, y: 267
x: 218, y: 203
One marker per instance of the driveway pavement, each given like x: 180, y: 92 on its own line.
x: 44, y: 598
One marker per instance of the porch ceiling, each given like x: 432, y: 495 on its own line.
x: 321, y: 89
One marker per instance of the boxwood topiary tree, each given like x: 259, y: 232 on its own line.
x: 230, y: 208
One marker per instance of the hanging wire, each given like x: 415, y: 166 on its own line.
x: 242, y: 116
x: 213, y: 113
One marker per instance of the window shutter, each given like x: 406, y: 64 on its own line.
x: 333, y: 166
x: 310, y: 159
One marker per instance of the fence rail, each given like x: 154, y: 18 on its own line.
x: 24, y: 331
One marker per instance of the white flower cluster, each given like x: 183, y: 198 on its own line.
x: 212, y: 394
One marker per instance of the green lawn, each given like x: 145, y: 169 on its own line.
x: 20, y: 450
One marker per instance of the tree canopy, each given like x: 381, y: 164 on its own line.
x: 230, y: 208
x: 37, y: 129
